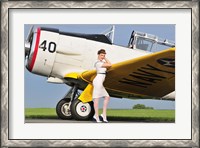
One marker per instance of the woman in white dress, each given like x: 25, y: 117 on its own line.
x: 99, y: 91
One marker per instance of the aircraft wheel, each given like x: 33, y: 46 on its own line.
x: 63, y: 109
x: 82, y: 111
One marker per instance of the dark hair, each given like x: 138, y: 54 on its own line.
x: 101, y: 51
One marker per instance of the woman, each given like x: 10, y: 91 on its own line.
x: 99, y: 91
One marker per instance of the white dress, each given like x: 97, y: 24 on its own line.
x: 98, y: 89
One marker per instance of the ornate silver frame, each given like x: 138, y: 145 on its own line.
x: 6, y: 142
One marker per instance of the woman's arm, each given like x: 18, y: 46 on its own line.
x: 107, y: 63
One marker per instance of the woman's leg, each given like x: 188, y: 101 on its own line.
x: 96, y: 108
x: 105, y: 104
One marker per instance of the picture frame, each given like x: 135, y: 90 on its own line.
x: 6, y: 9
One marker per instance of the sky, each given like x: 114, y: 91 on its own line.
x: 41, y: 94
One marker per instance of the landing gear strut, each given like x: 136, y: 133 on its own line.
x: 71, y: 107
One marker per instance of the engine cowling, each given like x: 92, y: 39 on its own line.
x: 42, y: 51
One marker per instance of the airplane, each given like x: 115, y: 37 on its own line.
x: 68, y: 58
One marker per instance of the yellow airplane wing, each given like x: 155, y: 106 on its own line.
x: 150, y: 75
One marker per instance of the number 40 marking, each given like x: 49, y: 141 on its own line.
x: 51, y: 46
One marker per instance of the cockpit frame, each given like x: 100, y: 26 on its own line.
x: 147, y: 42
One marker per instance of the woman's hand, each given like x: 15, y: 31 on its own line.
x: 107, y: 63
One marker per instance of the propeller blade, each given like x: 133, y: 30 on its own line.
x: 27, y: 42
x: 27, y: 48
x: 29, y: 34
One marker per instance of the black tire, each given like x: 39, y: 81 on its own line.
x: 82, y: 111
x: 63, y: 109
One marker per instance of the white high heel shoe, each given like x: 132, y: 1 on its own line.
x: 97, y: 121
x: 104, y: 120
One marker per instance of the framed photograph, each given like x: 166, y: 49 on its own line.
x: 17, y: 16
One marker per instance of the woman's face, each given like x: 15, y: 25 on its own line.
x: 101, y: 56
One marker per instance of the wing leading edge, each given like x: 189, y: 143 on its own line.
x: 151, y: 75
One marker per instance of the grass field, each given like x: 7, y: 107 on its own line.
x: 139, y: 115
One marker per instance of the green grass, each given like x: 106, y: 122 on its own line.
x: 43, y: 113
x: 139, y: 115
x: 147, y: 115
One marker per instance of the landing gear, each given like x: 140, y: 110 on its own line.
x: 63, y: 109
x: 71, y: 107
x: 82, y: 111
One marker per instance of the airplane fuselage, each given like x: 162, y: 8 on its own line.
x: 54, y: 54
